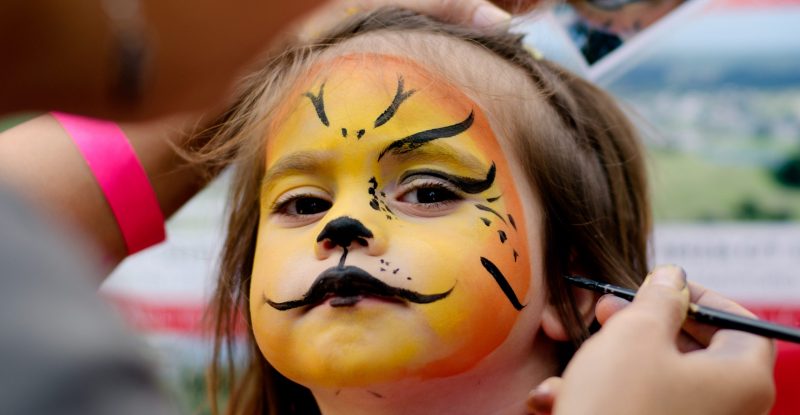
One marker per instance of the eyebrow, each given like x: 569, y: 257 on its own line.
x: 299, y: 162
x: 421, y: 138
x: 440, y: 153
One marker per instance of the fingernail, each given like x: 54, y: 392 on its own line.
x: 487, y: 16
x: 670, y: 276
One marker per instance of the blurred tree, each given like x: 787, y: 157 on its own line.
x: 788, y: 172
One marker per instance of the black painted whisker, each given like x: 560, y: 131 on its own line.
x: 490, y: 210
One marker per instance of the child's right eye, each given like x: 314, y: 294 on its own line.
x: 301, y: 205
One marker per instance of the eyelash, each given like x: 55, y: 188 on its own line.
x: 281, y: 205
x: 411, y: 184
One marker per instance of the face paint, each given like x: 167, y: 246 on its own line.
x: 378, y: 256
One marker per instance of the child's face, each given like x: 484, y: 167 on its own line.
x: 388, y: 192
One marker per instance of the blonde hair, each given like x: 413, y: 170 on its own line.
x: 580, y: 155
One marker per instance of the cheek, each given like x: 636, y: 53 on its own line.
x: 477, y: 317
x: 283, y: 265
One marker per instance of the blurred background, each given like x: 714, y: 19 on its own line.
x: 715, y: 85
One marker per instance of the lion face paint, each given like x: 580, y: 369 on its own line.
x: 388, y: 246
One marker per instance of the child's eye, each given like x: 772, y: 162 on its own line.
x: 301, y: 205
x: 428, y: 195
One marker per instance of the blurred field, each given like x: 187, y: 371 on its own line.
x: 689, y: 187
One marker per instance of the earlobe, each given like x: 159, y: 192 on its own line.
x: 552, y: 325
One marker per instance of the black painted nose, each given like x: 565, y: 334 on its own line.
x: 344, y: 231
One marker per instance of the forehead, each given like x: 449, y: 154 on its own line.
x: 374, y: 97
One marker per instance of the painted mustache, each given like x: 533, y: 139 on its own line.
x: 348, y: 285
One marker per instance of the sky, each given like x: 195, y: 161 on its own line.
x: 733, y: 30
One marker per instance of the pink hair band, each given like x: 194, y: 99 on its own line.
x: 121, y: 177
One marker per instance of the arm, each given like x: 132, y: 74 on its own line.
x: 40, y: 160
x: 639, y: 364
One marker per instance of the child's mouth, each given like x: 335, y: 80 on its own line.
x: 347, y: 286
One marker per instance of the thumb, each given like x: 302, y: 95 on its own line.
x: 661, y: 303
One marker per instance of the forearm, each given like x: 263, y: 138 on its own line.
x: 41, y: 160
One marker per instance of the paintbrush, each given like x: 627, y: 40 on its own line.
x: 702, y: 314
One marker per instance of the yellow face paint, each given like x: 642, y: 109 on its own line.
x: 435, y: 270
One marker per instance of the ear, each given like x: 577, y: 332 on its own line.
x: 551, y: 321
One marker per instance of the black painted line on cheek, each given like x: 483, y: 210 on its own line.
x: 490, y: 210
x: 373, y: 203
x: 511, y: 219
x: 502, y: 236
x: 502, y: 282
x: 493, y: 199
x: 319, y: 104
x: 515, y: 255
x: 486, y: 222
x: 360, y: 133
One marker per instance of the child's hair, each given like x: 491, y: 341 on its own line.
x: 585, y: 165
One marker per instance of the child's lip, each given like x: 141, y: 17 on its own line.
x: 352, y: 300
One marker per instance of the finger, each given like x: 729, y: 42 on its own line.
x: 543, y: 397
x: 660, y: 305
x: 705, y: 297
x: 607, y: 306
x: 477, y: 13
x: 480, y: 14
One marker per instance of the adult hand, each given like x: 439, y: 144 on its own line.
x: 640, y: 362
x: 477, y: 13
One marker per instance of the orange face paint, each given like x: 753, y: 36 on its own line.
x: 378, y: 157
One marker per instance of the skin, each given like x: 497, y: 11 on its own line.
x: 414, y: 243
x: 188, y: 77
x: 683, y: 366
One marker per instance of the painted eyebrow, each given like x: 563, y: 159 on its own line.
x: 421, y: 138
x: 299, y: 162
x: 441, y: 154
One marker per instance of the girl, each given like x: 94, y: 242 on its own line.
x: 407, y: 198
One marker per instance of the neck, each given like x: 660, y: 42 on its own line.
x: 498, y: 385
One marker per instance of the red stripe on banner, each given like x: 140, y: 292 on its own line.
x: 160, y: 317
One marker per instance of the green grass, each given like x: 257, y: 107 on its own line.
x: 687, y: 187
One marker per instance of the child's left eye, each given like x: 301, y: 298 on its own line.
x: 429, y: 193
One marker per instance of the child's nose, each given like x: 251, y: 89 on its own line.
x: 348, y: 233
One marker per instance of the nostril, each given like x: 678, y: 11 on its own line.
x: 342, y: 232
